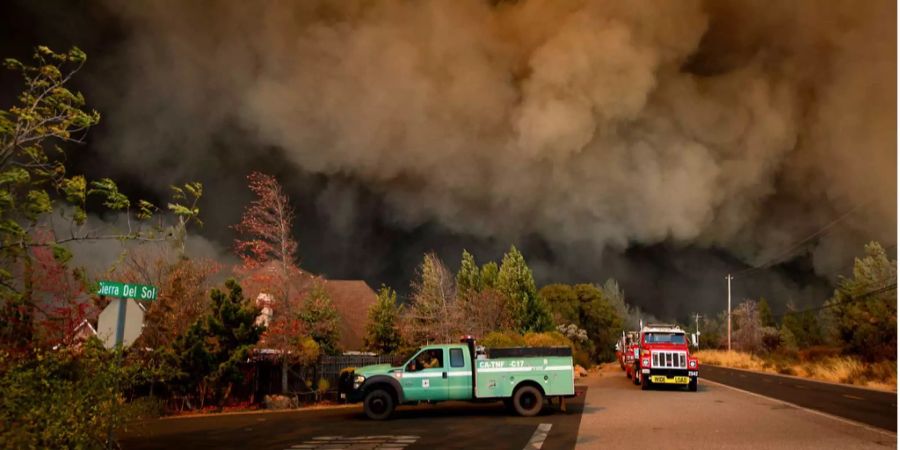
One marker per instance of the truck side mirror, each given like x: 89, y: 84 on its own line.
x: 694, y: 338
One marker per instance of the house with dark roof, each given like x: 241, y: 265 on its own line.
x: 352, y: 300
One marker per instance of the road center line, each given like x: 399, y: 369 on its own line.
x: 539, y: 436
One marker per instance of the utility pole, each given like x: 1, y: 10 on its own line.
x: 729, y: 278
x: 697, y: 327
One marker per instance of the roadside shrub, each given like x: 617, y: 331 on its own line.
x: 503, y: 339
x: 582, y: 358
x: 548, y: 339
x: 66, y: 398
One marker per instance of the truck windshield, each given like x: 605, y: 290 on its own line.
x: 664, y: 338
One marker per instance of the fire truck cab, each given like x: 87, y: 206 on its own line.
x: 664, y: 358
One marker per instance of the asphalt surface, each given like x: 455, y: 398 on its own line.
x: 451, y: 425
x: 618, y: 414
x: 871, y: 407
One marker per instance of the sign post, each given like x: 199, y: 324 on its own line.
x: 120, y: 325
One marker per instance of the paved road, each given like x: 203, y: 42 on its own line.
x: 451, y: 425
x: 868, y: 406
x: 617, y: 414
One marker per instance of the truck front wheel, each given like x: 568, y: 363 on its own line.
x: 636, y: 375
x: 528, y: 401
x: 692, y: 386
x: 645, y: 383
x: 378, y: 404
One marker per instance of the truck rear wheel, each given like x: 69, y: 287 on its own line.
x: 378, y: 404
x: 528, y: 401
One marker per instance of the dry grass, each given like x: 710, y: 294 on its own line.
x: 830, y: 367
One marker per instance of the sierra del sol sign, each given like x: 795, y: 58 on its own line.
x: 127, y: 290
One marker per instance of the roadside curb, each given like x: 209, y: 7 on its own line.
x: 795, y: 377
x: 258, y: 411
x: 803, y: 408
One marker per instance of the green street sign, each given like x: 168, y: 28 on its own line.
x: 127, y: 290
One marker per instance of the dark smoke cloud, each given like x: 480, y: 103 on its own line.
x: 664, y: 143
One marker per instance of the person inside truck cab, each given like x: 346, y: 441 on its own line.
x: 427, y: 360
x: 432, y: 359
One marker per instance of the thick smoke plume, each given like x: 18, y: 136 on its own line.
x: 595, y: 126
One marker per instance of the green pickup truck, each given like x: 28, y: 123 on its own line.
x: 521, y: 377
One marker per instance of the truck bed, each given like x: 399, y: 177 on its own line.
x: 502, y: 370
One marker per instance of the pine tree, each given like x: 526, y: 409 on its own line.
x: 383, y: 329
x: 468, y: 279
x: 864, y: 307
x: 210, y: 353
x: 516, y: 282
x: 765, y: 313
x: 320, y: 319
x: 489, y: 274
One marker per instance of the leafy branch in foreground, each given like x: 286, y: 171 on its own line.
x: 36, y: 192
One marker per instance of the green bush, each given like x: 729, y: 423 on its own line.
x: 548, y: 339
x: 66, y: 398
x: 503, y: 339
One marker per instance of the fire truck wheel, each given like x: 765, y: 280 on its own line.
x: 645, y: 383
x: 528, y: 401
x: 378, y: 404
x: 636, y: 376
x: 692, y: 386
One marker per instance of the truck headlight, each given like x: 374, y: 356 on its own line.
x: 693, y: 364
x: 645, y: 362
x: 358, y: 380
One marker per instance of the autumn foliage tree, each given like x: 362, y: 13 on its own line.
x: 433, y: 315
x: 269, y: 270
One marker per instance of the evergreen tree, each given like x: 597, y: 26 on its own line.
x: 600, y: 319
x: 864, y: 307
x: 468, y: 279
x: 320, y: 319
x: 516, y: 282
x: 209, y: 354
x: 765, y: 313
x: 383, y: 329
x: 489, y: 274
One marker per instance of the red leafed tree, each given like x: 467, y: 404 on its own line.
x: 60, y: 295
x: 269, y: 270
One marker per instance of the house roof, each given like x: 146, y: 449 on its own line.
x: 352, y: 300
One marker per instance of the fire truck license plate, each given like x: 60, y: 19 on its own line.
x: 665, y: 380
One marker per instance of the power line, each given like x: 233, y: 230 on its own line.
x: 862, y: 296
x: 778, y: 258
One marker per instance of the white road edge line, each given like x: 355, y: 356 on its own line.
x: 824, y: 414
x: 539, y: 436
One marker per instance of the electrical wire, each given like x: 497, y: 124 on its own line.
x: 779, y: 258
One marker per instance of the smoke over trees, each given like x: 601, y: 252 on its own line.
x: 591, y: 126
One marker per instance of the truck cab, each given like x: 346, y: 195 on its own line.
x: 625, y: 350
x: 664, y: 358
x: 521, y: 377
